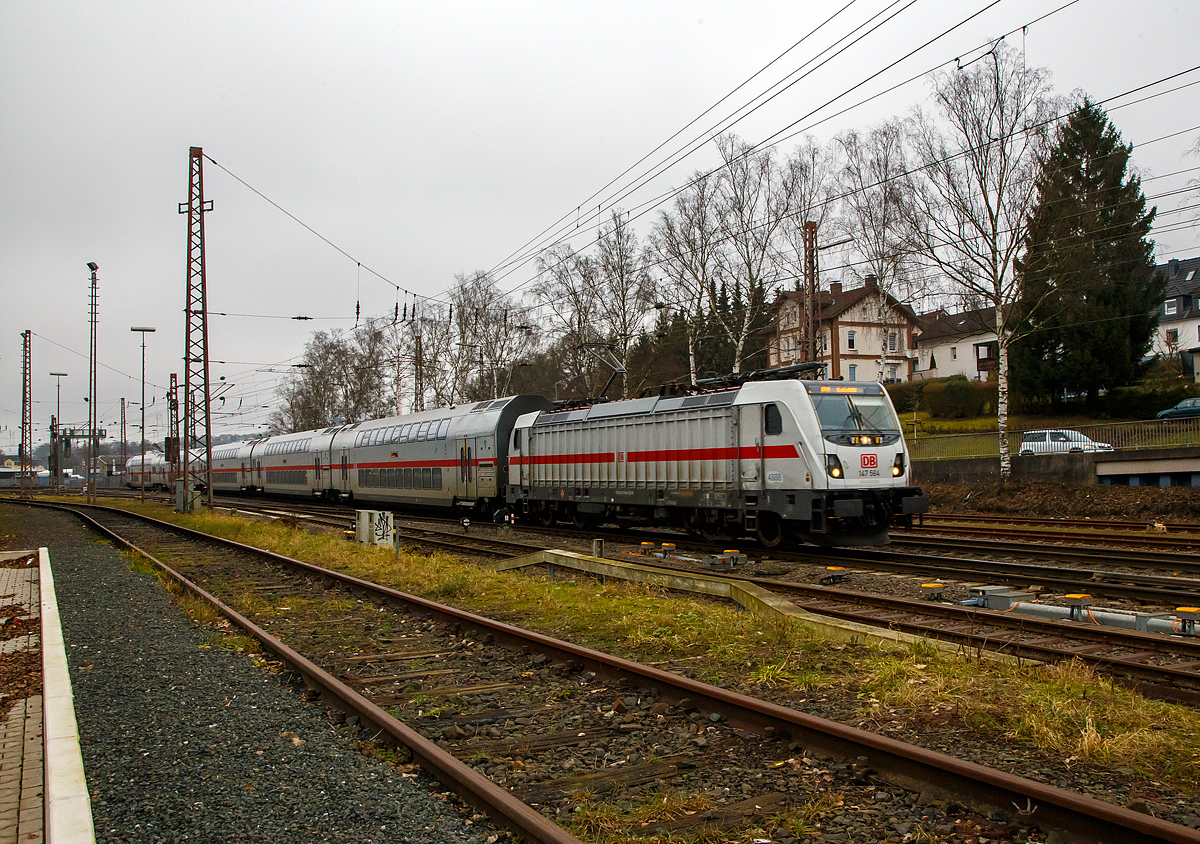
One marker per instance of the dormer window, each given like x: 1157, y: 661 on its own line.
x: 1169, y: 307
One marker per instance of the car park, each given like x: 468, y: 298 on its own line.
x: 1185, y: 409
x: 1059, y: 441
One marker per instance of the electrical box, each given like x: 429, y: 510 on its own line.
x: 373, y: 527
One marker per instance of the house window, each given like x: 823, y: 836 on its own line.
x: 853, y: 370
x: 892, y: 341
x: 981, y: 352
x: 850, y: 342
x: 1169, y: 307
x: 1173, y: 336
x: 954, y: 353
x: 892, y: 370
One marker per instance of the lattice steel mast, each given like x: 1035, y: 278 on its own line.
x: 93, y: 437
x: 196, y: 446
x: 28, y: 481
x: 172, y: 444
x: 810, y: 340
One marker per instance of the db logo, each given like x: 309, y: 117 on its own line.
x: 870, y: 461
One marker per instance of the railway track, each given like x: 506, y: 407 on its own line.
x: 1052, y: 534
x: 1160, y: 590
x: 1037, y: 521
x: 551, y: 721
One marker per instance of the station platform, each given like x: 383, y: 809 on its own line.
x: 43, y: 792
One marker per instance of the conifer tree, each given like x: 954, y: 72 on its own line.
x: 1087, y: 274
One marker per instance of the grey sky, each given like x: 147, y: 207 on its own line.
x: 425, y: 140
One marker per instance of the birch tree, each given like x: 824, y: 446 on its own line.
x: 976, y: 186
x: 626, y: 291
x: 566, y: 293
x: 874, y: 195
x: 755, y: 200
x: 685, y: 242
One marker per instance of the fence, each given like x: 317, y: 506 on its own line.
x: 1122, y: 436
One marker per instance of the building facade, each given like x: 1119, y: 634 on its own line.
x: 1178, y: 333
x: 864, y: 334
x: 957, y: 344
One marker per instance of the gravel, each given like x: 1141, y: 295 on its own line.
x: 183, y: 741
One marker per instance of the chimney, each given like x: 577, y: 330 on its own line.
x: 872, y: 282
x: 835, y: 288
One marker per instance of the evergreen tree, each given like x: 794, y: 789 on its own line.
x: 1088, y: 268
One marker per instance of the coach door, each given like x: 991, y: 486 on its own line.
x: 344, y: 480
x: 243, y: 475
x: 750, y: 447
x: 468, y: 479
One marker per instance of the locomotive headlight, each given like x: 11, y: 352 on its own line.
x: 898, y: 465
x: 833, y: 466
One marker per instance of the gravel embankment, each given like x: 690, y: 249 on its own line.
x: 183, y: 742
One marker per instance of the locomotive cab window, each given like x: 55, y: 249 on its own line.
x: 517, y: 439
x: 843, y: 415
x: 772, y: 419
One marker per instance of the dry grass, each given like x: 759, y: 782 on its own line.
x: 1065, y: 711
x: 610, y: 823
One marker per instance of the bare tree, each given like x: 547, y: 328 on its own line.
x: 976, y: 186
x: 626, y: 291
x: 685, y: 242
x: 567, y: 292
x: 491, y: 334
x: 812, y: 182
x: 343, y: 378
x: 874, y: 195
x: 755, y: 201
x: 425, y: 356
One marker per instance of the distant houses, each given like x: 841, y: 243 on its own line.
x: 1178, y: 334
x: 865, y: 334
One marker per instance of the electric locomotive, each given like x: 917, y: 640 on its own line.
x: 783, y: 460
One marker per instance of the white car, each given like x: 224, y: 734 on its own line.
x: 1059, y: 442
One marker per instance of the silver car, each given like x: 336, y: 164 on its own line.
x: 1059, y: 441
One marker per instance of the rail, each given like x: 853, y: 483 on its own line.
x: 1122, y: 436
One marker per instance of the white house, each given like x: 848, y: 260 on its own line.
x: 957, y: 344
x: 1178, y: 333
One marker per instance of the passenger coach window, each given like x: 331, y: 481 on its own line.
x: 444, y: 429
x: 772, y: 419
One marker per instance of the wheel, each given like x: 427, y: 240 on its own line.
x: 545, y: 517
x: 771, y: 532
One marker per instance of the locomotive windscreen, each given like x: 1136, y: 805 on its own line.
x: 855, y: 412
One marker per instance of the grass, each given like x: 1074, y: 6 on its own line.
x: 928, y: 426
x: 610, y: 823
x: 1066, y: 711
